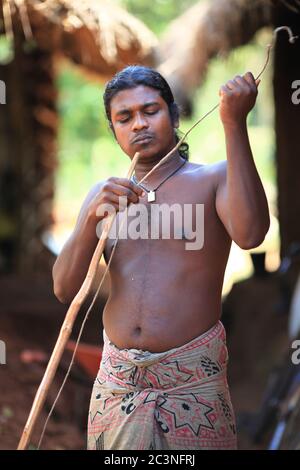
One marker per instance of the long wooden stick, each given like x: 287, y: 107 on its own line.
x: 67, y: 326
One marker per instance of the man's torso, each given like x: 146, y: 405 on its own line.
x: 162, y: 294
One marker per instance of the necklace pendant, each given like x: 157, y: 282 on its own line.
x: 151, y: 196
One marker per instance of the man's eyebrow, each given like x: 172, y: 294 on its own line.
x: 123, y: 111
x: 150, y: 103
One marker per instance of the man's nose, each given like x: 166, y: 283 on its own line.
x: 139, y: 122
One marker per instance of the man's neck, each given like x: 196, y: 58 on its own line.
x: 145, y: 165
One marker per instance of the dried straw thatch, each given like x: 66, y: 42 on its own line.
x: 95, y: 34
x: 208, y: 29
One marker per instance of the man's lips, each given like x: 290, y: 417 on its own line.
x: 141, y: 139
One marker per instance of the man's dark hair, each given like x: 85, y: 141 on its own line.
x: 136, y: 75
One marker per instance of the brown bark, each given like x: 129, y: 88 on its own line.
x: 287, y: 126
x: 28, y: 127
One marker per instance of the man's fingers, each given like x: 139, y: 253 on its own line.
x: 232, y: 85
x: 243, y: 83
x: 240, y: 83
x: 225, y: 90
x: 120, y: 190
x: 127, y: 183
x: 250, y: 79
x: 236, y: 85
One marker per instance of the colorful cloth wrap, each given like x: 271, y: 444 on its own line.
x: 176, y: 399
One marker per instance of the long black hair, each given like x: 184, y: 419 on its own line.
x: 135, y: 75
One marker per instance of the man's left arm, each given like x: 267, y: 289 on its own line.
x: 241, y: 202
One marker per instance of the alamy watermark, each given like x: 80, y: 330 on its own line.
x: 2, y: 92
x: 296, y: 93
x: 296, y: 354
x: 155, y: 222
x: 2, y: 352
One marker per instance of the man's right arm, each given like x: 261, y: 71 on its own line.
x: 73, y: 262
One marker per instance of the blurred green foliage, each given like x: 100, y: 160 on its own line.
x: 6, y: 50
x: 157, y: 13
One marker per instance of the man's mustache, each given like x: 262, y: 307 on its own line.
x: 142, y: 136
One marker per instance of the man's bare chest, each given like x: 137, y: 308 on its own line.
x: 176, y: 214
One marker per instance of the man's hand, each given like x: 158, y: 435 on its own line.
x: 238, y: 97
x: 107, y: 199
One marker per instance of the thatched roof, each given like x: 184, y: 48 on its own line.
x: 96, y: 34
x: 207, y: 29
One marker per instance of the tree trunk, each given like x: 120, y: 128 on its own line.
x: 28, y: 128
x: 287, y: 126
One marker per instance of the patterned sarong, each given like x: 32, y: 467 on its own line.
x: 176, y: 399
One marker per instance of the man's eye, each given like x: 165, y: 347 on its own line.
x: 150, y: 112
x: 121, y: 121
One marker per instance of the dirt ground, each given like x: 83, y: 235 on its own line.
x: 30, y: 318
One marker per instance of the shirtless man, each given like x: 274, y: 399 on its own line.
x: 162, y: 295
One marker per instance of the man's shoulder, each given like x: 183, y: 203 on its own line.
x: 94, y: 190
x: 216, y: 171
x: 90, y: 195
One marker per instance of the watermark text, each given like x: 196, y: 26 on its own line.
x: 156, y: 221
x: 2, y: 92
x: 2, y: 352
x: 296, y: 93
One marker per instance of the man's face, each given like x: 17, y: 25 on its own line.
x: 142, y: 122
